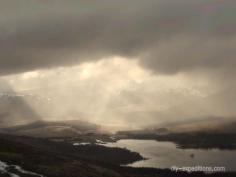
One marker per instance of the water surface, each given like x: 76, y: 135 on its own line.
x: 166, y: 155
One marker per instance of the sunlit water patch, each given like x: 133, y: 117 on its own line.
x: 166, y: 155
x: 81, y: 144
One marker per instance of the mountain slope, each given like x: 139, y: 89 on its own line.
x: 70, y: 128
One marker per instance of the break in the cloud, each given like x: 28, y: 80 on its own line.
x: 119, y: 92
x: 176, y: 58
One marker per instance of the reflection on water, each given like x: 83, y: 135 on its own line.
x: 166, y: 155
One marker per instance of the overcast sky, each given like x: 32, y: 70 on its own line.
x: 125, y: 63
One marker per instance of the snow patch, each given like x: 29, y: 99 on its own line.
x: 5, y: 168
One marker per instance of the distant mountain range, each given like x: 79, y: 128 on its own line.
x: 201, y: 127
x: 204, y: 124
x: 47, y: 129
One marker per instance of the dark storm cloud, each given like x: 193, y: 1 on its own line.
x: 168, y: 36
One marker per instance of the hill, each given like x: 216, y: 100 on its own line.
x: 50, y: 129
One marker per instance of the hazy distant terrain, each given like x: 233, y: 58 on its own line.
x: 54, y: 129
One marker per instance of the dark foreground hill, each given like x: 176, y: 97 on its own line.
x: 54, y: 159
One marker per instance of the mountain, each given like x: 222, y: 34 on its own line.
x: 209, y: 124
x: 71, y: 128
